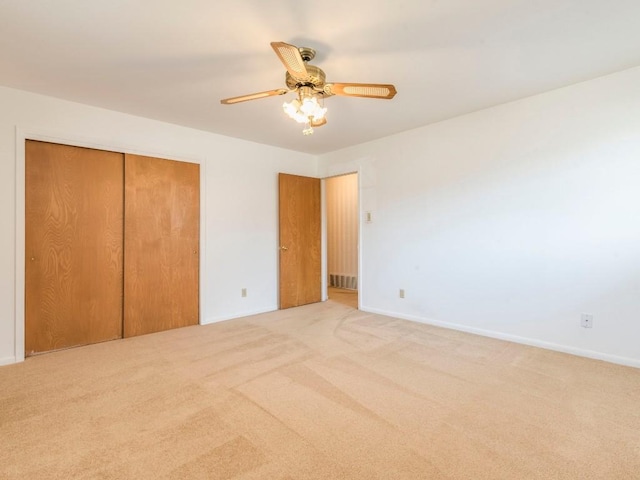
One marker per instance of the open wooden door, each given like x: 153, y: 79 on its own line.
x: 161, y: 244
x: 73, y: 246
x: 300, y: 250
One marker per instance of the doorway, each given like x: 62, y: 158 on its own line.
x: 341, y: 201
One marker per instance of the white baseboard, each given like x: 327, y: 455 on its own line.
x: 629, y: 362
x: 248, y: 313
x: 7, y: 360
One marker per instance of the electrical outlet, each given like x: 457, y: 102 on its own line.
x: 586, y: 320
x: 402, y: 293
x: 244, y: 292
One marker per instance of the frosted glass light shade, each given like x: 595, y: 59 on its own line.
x: 305, y: 110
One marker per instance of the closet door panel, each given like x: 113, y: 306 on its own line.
x: 162, y: 232
x: 73, y: 246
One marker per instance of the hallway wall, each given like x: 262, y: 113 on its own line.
x: 342, y: 230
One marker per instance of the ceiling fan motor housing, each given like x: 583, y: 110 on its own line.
x: 316, y: 79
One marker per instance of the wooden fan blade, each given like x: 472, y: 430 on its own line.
x: 254, y: 96
x: 368, y: 90
x: 290, y: 57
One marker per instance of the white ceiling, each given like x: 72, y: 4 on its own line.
x: 174, y: 60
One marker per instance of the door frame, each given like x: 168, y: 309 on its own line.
x: 323, y: 225
x: 44, y: 135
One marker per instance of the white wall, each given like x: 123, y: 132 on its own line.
x: 512, y: 221
x: 341, y: 197
x: 238, y: 187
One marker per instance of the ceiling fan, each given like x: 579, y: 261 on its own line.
x: 308, y: 82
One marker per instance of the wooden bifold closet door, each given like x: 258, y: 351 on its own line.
x: 111, y: 245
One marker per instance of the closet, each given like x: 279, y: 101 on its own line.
x: 111, y: 245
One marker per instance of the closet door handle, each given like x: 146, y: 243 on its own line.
x: 284, y: 248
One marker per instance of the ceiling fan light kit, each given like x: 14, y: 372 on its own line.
x: 308, y: 108
x: 308, y: 82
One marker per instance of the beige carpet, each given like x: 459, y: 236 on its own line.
x: 317, y: 392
